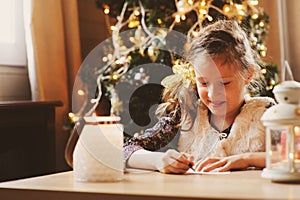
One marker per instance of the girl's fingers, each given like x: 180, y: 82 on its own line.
x: 180, y: 157
x: 205, y: 163
x: 214, y: 166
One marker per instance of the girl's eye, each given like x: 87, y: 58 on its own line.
x: 225, y: 83
x: 203, y: 84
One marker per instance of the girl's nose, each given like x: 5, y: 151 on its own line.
x: 215, y: 91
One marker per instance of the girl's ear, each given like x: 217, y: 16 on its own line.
x: 250, y: 74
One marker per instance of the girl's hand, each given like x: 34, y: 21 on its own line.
x: 176, y: 162
x: 241, y: 161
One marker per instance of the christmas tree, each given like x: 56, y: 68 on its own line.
x: 140, y: 35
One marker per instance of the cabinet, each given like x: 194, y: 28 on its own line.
x: 27, y: 138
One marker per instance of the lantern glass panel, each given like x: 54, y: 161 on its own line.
x: 297, y: 148
x: 278, y: 148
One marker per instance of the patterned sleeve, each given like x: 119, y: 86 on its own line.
x: 154, y: 139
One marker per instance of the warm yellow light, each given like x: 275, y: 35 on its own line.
x: 203, y: 3
x: 226, y: 8
x: 137, y: 13
x: 263, y: 53
x: 106, y: 11
x: 114, y: 77
x: 263, y: 71
x: 203, y: 11
x: 254, y: 16
x: 190, y: 2
x: 209, y: 18
x: 262, y: 47
x: 109, y: 56
x: 261, y: 24
x: 159, y: 21
x: 177, y: 18
x: 104, y: 59
x: 254, y: 2
x: 71, y: 116
x: 297, y: 130
x: 80, y: 92
x: 112, y: 28
x: 183, y: 17
x: 195, y: 34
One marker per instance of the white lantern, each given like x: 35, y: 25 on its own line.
x: 282, y: 123
x: 98, y: 154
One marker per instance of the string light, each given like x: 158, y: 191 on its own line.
x: 177, y: 18
x: 254, y: 16
x: 106, y: 9
x: 80, y: 92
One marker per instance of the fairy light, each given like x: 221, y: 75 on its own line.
x: 203, y: 3
x: 263, y: 71
x: 203, y: 11
x: 80, y: 92
x: 159, y: 21
x: 262, y: 47
x: 254, y: 2
x: 254, y: 16
x: 177, y: 18
x: 109, y: 56
x: 210, y: 18
x: 191, y: 2
x: 112, y: 28
x: 104, y: 59
x: 261, y: 24
x: 115, y: 77
x: 226, y: 8
x: 71, y: 116
x: 183, y: 17
x: 137, y: 12
x: 106, y: 11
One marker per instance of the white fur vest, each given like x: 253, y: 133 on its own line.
x: 247, y: 133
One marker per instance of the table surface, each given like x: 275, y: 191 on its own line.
x: 143, y: 184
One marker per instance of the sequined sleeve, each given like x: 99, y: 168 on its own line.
x: 159, y: 137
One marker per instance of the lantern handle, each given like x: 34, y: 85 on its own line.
x: 289, y: 71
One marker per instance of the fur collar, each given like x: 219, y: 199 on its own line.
x: 246, y: 135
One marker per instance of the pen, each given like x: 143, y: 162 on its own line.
x: 173, y: 147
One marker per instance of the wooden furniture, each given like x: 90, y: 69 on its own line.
x: 27, y: 144
x: 139, y: 184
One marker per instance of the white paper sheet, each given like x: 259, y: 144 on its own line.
x: 190, y: 171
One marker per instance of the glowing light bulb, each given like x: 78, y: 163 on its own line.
x: 106, y: 11
x: 177, y: 18
x: 210, y: 18
x: 80, y: 92
x: 226, y: 8
x: 263, y: 71
x: 254, y: 2
x: 137, y: 13
x: 261, y: 24
x: 254, y: 16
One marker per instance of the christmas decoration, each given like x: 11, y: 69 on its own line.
x: 148, y: 24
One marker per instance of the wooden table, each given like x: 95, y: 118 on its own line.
x: 139, y: 184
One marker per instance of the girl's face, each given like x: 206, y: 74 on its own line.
x: 220, y: 87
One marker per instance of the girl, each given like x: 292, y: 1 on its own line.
x: 218, y: 125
